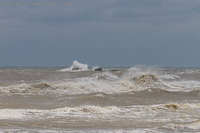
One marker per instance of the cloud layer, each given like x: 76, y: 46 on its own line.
x: 101, y: 32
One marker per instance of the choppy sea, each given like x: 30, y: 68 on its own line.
x: 135, y: 99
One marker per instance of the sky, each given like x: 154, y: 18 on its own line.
x: 100, y: 32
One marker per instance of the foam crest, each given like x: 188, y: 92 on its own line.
x: 134, y: 80
x: 171, y: 116
x: 169, y: 77
x: 175, y: 106
x: 186, y: 86
x: 88, y: 86
x: 59, y: 112
x: 76, y: 66
x: 136, y: 72
x: 104, y: 76
x: 11, y: 114
x: 87, y: 109
x: 189, y: 72
x: 102, y: 83
x: 146, y: 80
x: 39, y: 88
x: 150, y: 78
x: 193, y: 125
x: 19, y: 88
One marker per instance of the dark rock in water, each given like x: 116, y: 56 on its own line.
x: 98, y: 69
x: 75, y: 68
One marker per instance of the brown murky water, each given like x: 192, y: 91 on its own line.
x: 113, y: 100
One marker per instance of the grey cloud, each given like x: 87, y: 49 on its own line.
x: 89, y: 28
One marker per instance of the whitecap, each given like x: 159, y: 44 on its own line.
x: 76, y: 66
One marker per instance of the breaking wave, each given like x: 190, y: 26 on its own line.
x: 134, y: 80
x: 65, y: 111
x: 76, y: 66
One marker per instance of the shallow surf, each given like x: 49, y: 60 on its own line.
x: 137, y: 99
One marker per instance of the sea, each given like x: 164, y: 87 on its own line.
x: 99, y: 100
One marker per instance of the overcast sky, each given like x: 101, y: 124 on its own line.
x: 101, y: 32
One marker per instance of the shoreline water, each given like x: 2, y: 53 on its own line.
x: 137, y: 99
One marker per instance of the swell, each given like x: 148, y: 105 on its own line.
x: 156, y: 91
x: 134, y: 80
x: 144, y: 84
x: 151, y: 116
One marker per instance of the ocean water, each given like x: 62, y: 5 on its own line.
x: 136, y: 99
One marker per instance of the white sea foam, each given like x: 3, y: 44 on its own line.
x: 59, y: 112
x: 193, y: 125
x: 96, y: 86
x: 189, y: 72
x: 14, y: 88
x: 87, y: 109
x: 185, y: 86
x: 169, y: 77
x: 104, y: 76
x: 24, y: 130
x: 135, y: 79
x: 95, y: 67
x: 172, y: 116
x: 11, y: 114
x: 153, y: 102
x: 76, y: 66
x: 86, y: 87
x: 135, y: 72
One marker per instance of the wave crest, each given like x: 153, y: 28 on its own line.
x: 76, y: 66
